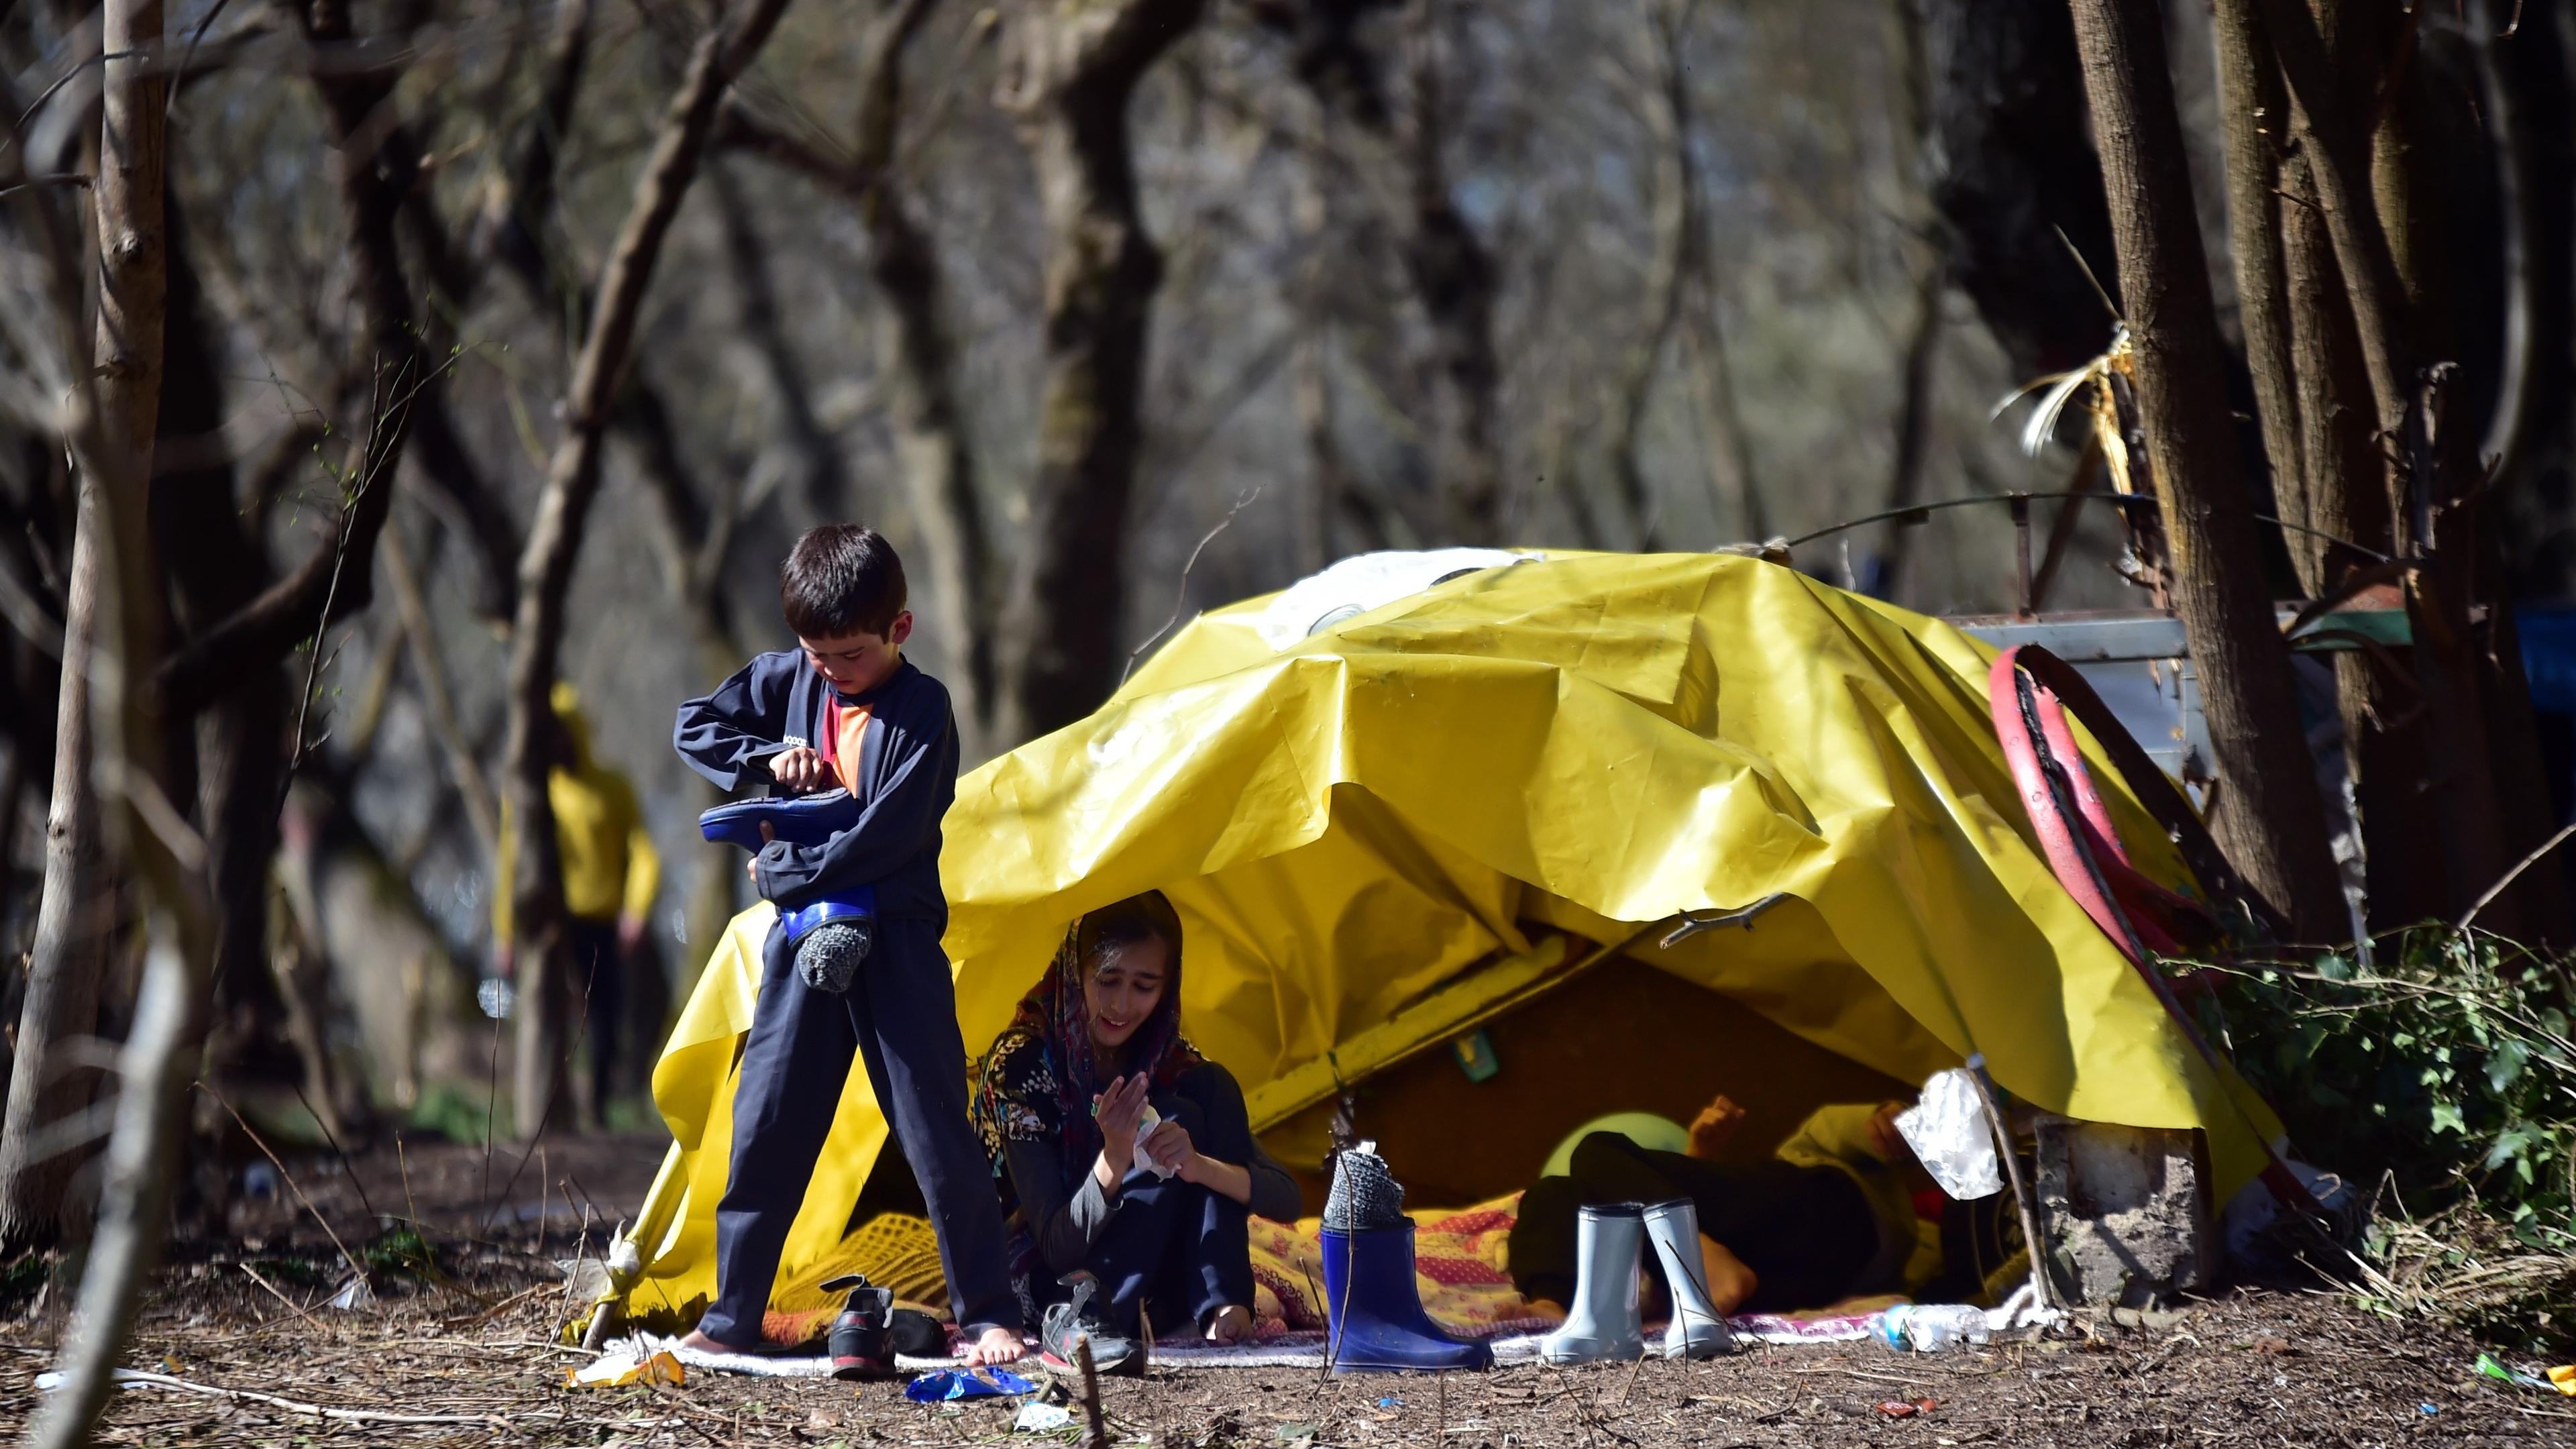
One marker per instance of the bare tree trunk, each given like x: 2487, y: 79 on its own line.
x: 75, y: 929
x: 2254, y: 119
x: 828, y: 489
x: 554, y: 539
x: 1733, y: 489
x: 919, y: 357
x: 482, y: 815
x: 916, y: 353
x: 2312, y: 397
x: 1074, y: 67
x: 217, y: 567
x: 1914, y: 430
x: 694, y: 539
x: 2269, y: 816
x: 1453, y: 273
x: 2375, y: 245
x: 112, y: 436
x: 1666, y: 110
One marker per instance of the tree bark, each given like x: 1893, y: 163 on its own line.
x: 1913, y: 433
x: 828, y: 489
x: 1077, y: 66
x: 1673, y: 208
x: 1453, y: 273
x: 2345, y: 493
x: 554, y: 539
x: 2268, y: 813
x: 75, y: 930
x: 916, y: 353
x: 2254, y: 119
x: 411, y: 610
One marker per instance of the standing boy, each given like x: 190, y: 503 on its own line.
x: 847, y: 710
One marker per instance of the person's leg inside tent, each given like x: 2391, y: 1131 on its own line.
x: 1775, y: 1237
x: 903, y: 1006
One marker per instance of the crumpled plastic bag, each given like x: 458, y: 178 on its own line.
x: 617, y: 1370
x: 1947, y: 1129
x: 946, y: 1384
x: 1038, y: 1418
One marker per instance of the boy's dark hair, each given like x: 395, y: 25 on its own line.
x: 841, y: 579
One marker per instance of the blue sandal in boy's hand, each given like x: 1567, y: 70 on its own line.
x: 800, y: 820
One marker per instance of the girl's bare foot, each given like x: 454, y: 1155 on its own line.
x: 703, y: 1344
x: 1232, y: 1324
x: 996, y: 1345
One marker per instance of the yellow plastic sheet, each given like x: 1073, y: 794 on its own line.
x: 1591, y: 742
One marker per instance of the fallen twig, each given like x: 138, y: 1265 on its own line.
x: 130, y: 1377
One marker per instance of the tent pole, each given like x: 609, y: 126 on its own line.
x: 2039, y: 1275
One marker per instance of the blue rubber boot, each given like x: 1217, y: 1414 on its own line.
x: 1376, y: 1313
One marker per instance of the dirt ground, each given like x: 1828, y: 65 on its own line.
x: 467, y: 1357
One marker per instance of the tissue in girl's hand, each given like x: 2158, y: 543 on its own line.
x: 1147, y: 1119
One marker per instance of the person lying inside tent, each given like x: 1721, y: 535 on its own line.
x: 1832, y: 1215
x: 1125, y: 1159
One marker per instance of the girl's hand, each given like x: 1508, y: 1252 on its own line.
x: 1169, y: 1146
x: 1117, y: 1109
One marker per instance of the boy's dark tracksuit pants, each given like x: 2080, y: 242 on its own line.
x: 900, y: 1015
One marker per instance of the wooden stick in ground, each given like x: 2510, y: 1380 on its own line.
x: 2021, y: 1192
x: 1095, y: 1425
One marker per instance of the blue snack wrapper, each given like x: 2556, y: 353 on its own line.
x: 945, y: 1385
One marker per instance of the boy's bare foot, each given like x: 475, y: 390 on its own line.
x: 1232, y: 1324
x: 996, y: 1345
x: 703, y: 1344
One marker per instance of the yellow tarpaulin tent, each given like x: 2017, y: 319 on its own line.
x: 1375, y: 834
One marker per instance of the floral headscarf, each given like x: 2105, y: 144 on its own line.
x: 1037, y: 1082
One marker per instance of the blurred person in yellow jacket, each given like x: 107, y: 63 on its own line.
x: 610, y: 875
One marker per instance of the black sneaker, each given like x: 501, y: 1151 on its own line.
x: 858, y: 1343
x: 1065, y: 1324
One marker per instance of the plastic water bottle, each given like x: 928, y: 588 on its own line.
x: 1932, y: 1327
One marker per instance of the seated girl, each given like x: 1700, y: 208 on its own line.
x: 1105, y: 1221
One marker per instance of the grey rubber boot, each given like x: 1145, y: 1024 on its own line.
x: 1603, y: 1321
x: 1697, y: 1331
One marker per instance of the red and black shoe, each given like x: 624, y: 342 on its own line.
x: 858, y: 1343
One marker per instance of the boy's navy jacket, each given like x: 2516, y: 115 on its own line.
x: 907, y: 775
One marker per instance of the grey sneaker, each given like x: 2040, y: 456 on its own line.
x: 1065, y: 1324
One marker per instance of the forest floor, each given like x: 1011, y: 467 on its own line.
x: 470, y: 1358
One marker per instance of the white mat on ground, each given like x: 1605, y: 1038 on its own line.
x: 1287, y: 1350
